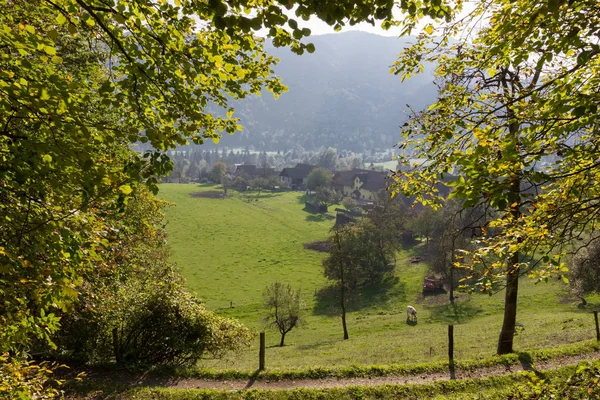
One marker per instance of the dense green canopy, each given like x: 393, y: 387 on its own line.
x: 517, y: 120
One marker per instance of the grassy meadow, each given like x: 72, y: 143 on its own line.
x: 230, y: 249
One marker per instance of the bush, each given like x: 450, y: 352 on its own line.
x: 582, y: 384
x: 21, y: 379
x: 152, y: 321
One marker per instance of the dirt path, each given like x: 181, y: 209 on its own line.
x: 194, y: 383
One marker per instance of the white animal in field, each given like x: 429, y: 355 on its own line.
x: 411, y: 314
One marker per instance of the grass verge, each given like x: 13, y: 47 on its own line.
x: 364, y: 371
x: 523, y: 385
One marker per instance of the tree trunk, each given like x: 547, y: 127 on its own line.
x: 507, y: 334
x: 452, y: 274
x: 505, y: 343
x: 342, y: 285
x: 281, y: 344
x: 451, y: 284
x: 346, y: 337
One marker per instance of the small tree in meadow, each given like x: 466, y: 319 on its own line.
x: 227, y: 182
x: 219, y: 170
x: 259, y: 184
x: 325, y: 196
x: 284, y: 305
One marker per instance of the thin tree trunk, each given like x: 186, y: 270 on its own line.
x: 452, y: 275
x: 344, y: 313
x: 282, y: 339
x: 342, y: 286
x: 507, y: 334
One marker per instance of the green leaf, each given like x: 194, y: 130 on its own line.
x: 50, y: 50
x: 125, y: 189
x: 61, y: 19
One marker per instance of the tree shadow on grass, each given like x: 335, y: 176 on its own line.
x: 316, y: 345
x: 373, y: 295
x: 114, y: 381
x: 589, y: 308
x: 526, y: 361
x: 456, y: 312
x: 319, y: 217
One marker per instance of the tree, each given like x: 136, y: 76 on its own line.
x: 326, y: 159
x: 337, y: 267
x: 350, y: 204
x: 426, y: 222
x: 325, y: 196
x: 359, y: 255
x: 515, y: 94
x: 259, y: 183
x: 81, y: 80
x: 193, y: 172
x: 227, y: 182
x: 318, y: 178
x: 219, y: 170
x: 459, y: 230
x: 285, y: 309
x: 584, y: 272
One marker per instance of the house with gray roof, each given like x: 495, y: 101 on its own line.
x: 295, y: 178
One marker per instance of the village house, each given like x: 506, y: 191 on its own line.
x: 245, y: 170
x: 295, y: 178
x: 360, y: 184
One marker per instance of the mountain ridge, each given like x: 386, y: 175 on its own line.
x: 340, y: 96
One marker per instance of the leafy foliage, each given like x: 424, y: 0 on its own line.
x: 218, y: 172
x: 318, y: 178
x: 20, y: 379
x: 364, y: 253
x: 584, y: 273
x: 285, y: 308
x: 138, y: 311
x: 515, y: 121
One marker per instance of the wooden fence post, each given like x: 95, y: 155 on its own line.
x: 597, y: 327
x: 261, y: 353
x: 451, y: 351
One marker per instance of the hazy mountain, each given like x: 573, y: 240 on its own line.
x: 342, y: 96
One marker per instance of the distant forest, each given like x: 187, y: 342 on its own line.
x: 341, y: 96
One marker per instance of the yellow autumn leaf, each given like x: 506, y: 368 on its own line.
x: 125, y: 189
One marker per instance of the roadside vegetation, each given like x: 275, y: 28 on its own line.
x: 572, y: 381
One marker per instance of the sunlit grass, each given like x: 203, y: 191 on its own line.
x: 230, y: 249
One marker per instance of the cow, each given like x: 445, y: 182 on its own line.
x: 411, y: 314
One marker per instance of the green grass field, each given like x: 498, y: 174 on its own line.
x: 230, y: 249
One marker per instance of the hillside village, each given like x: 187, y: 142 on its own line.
x: 362, y: 185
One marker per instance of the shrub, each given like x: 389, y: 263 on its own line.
x: 150, y: 320
x: 21, y: 379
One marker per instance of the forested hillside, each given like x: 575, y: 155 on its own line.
x: 340, y: 96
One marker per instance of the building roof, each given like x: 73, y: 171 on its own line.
x: 300, y: 171
x: 246, y: 169
x: 372, y: 180
x: 346, y: 178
